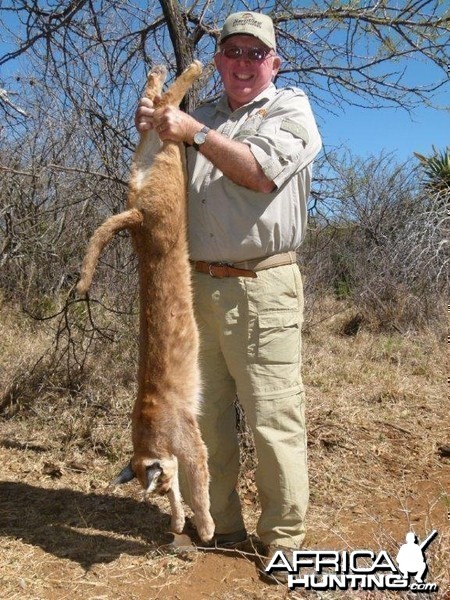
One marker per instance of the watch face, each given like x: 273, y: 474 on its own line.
x: 200, y: 137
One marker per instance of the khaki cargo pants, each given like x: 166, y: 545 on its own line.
x: 250, y: 331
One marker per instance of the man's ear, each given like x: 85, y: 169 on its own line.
x: 276, y: 65
x: 218, y: 60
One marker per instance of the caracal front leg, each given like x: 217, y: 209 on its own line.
x: 195, y: 462
x: 178, y: 519
x: 155, y: 82
x: 178, y: 89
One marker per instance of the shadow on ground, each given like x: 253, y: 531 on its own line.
x: 59, y: 521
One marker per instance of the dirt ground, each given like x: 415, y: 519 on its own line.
x: 378, y: 427
x: 62, y: 538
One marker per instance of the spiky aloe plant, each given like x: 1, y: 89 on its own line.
x: 436, y: 169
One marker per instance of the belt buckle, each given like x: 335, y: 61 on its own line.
x: 217, y: 264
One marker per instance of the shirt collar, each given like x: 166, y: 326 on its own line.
x: 267, y: 94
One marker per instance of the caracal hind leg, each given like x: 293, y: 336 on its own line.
x: 180, y: 86
x: 155, y: 82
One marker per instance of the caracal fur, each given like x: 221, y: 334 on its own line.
x: 164, y: 418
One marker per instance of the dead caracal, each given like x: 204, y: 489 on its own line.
x: 164, y: 419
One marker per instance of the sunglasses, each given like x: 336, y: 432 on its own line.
x: 255, y: 54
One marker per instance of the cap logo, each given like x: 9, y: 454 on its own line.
x: 247, y: 19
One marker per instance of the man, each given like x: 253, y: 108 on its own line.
x: 249, y: 163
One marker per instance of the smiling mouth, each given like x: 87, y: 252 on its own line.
x: 242, y: 77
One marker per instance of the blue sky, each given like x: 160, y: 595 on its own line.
x: 369, y: 131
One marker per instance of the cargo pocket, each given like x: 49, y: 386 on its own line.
x: 278, y: 338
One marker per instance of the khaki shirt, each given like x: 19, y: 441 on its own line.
x: 230, y: 223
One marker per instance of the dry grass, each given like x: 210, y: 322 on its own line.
x: 377, y: 415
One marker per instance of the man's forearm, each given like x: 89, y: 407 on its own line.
x: 234, y: 159
x: 236, y: 162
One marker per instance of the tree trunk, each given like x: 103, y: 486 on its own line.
x: 182, y: 44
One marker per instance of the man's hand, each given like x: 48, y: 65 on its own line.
x: 170, y: 123
x: 143, y: 118
x: 175, y: 125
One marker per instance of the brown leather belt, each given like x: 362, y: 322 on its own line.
x: 246, y: 268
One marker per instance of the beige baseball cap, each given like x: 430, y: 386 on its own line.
x: 250, y: 23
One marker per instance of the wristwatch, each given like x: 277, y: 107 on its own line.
x: 200, y: 137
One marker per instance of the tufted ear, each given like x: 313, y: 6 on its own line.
x: 125, y: 475
x: 153, y: 472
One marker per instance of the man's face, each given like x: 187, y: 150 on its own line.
x: 243, y: 78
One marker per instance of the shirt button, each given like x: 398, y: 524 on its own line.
x: 211, y: 235
x: 204, y: 201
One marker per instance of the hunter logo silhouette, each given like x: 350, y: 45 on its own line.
x: 411, y: 558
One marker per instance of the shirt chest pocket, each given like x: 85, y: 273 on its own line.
x: 250, y: 126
